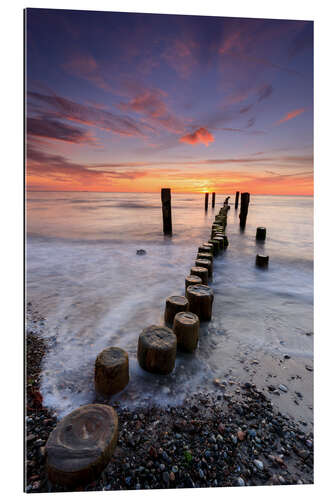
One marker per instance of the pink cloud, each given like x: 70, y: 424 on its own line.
x: 201, y: 135
x: 291, y: 115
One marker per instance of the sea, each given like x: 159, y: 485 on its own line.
x: 84, y: 275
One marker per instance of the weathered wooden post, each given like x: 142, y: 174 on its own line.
x: 262, y: 260
x: 111, y: 371
x: 245, y: 199
x: 206, y: 201
x: 157, y: 349
x: 191, y: 279
x: 202, y: 272
x: 213, y: 200
x: 81, y: 445
x: 261, y: 233
x: 174, y: 305
x: 166, y: 209
x: 186, y: 329
x: 236, y: 200
x: 201, y: 299
x: 208, y: 264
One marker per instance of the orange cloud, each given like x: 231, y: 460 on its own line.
x: 291, y: 115
x: 198, y: 136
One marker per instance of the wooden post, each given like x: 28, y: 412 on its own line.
x: 245, y: 199
x: 236, y: 200
x: 157, y: 349
x: 206, y: 201
x: 166, y: 209
x: 262, y: 260
x: 81, y: 445
x: 261, y: 233
x: 213, y: 200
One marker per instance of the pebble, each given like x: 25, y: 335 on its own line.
x: 165, y: 477
x: 283, y: 388
x: 240, y: 481
x: 258, y: 464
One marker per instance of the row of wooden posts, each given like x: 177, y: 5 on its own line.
x: 82, y: 443
x: 167, y: 213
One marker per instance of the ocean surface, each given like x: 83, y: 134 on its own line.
x: 84, y: 276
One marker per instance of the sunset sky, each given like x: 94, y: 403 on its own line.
x: 136, y: 102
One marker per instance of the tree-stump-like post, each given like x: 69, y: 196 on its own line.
x: 209, y: 246
x: 166, y: 210
x: 236, y: 199
x: 173, y: 305
x: 157, y: 349
x: 213, y: 200
x: 186, y: 329
x: 202, y: 272
x: 111, y: 371
x: 262, y: 260
x: 205, y: 255
x: 81, y: 445
x: 220, y: 239
x: 216, y: 246
x: 201, y: 299
x: 191, y: 279
x: 207, y: 264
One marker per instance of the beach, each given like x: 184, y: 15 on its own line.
x: 88, y: 288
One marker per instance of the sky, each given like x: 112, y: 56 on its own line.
x: 135, y: 102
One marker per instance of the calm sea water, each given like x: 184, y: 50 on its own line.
x: 84, y: 275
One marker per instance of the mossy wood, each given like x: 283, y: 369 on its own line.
x: 205, y: 255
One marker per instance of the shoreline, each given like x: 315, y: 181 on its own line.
x: 211, y: 440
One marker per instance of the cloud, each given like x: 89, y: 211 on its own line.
x: 151, y: 104
x: 201, y: 135
x: 264, y: 92
x: 62, y: 108
x: 55, y: 130
x: 291, y: 115
x: 180, y: 55
x: 86, y: 67
x: 57, y: 168
x: 245, y: 109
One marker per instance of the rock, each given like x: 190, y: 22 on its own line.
x: 165, y: 477
x: 259, y: 465
x: 283, y: 388
x: 240, y: 481
x: 241, y: 435
x: 309, y: 368
x: 172, y: 476
x: 141, y: 252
